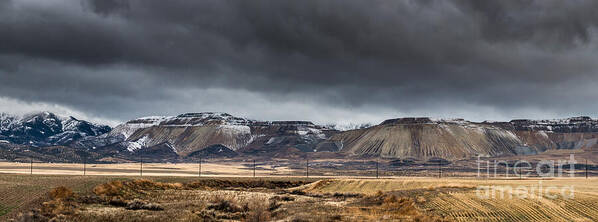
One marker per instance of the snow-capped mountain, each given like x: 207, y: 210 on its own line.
x: 213, y: 134
x: 568, y: 125
x: 184, y: 120
x: 45, y: 128
x: 190, y: 132
x: 349, y: 126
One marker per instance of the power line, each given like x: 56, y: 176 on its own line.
x: 586, y: 168
x: 84, y: 166
x: 199, y: 170
x: 307, y: 167
x: 439, y: 169
x: 141, y: 163
x: 376, y: 169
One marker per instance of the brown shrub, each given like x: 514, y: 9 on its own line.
x: 259, y: 210
x: 111, y: 188
x: 61, y: 192
x: 32, y: 216
x: 403, y: 205
x: 344, y: 196
x: 306, y: 217
x: 282, y: 198
x: 204, y: 216
x: 225, y: 204
x: 57, y: 207
x: 117, y: 202
x: 141, y: 205
x: 132, y: 188
x: 142, y: 184
x: 319, y: 184
x: 298, y: 192
x: 89, y: 199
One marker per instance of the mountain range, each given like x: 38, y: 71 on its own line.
x: 45, y: 129
x: 220, y: 135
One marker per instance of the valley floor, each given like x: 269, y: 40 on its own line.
x: 129, y: 198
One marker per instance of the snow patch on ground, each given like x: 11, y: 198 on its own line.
x: 171, y: 147
x: 306, y: 131
x: 129, y: 128
x: 236, y: 129
x: 271, y: 140
x: 349, y: 126
x: 138, y: 144
x: 543, y: 134
x: 253, y: 137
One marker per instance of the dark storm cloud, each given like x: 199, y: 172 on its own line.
x: 120, y: 58
x: 106, y: 7
x: 548, y: 22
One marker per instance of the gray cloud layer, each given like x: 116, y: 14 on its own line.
x: 321, y: 60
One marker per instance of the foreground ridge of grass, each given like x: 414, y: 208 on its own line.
x: 287, y: 199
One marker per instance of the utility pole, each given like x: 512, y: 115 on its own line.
x: 519, y: 172
x: 377, y: 169
x: 439, y: 169
x: 31, y: 165
x: 254, y: 168
x: 199, y: 170
x: 84, y: 165
x: 586, y: 168
x: 141, y: 163
x: 307, y: 166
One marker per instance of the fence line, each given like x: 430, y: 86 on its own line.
x: 276, y: 168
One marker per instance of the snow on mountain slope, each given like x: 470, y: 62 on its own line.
x: 186, y: 134
x: 127, y: 129
x: 190, y: 132
x: 45, y: 128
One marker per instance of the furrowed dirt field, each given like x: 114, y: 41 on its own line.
x: 108, y: 198
x: 460, y: 199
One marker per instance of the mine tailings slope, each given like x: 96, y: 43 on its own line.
x: 455, y: 139
x: 423, y: 138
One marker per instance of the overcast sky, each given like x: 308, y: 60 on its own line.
x: 326, y: 61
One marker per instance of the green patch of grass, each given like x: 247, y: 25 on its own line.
x: 4, y: 210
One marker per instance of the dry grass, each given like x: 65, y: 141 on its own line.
x: 406, y: 199
x: 146, y: 200
x: 61, y: 192
x: 20, y: 193
x: 224, y: 169
x: 456, y: 199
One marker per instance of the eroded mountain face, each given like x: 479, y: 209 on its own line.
x: 424, y: 138
x: 454, y: 139
x: 213, y: 135
x: 571, y: 133
x: 188, y: 133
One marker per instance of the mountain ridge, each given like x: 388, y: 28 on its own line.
x: 46, y: 128
x: 186, y: 135
x: 458, y: 138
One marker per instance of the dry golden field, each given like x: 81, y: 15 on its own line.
x: 457, y: 199
x: 128, y: 197
x: 223, y: 169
